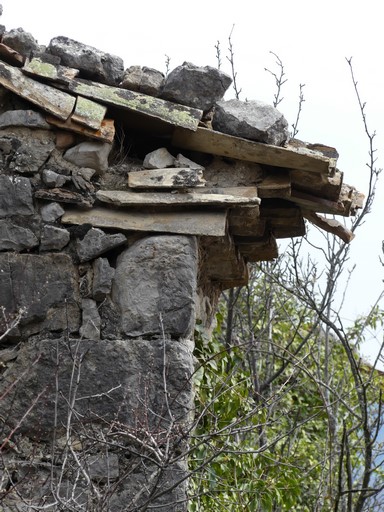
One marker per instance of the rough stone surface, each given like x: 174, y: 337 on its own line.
x: 90, y: 154
x: 15, y: 196
x: 159, y: 159
x: 21, y: 41
x: 16, y: 238
x: 44, y: 287
x: 27, y: 118
x: 53, y: 238
x: 118, y: 380
x: 142, y: 79
x: 27, y: 153
x: 183, y: 161
x: 154, y: 286
x: 92, y: 63
x: 102, y: 278
x: 96, y: 242
x: 194, y: 86
x: 51, y: 212
x: 103, y: 468
x: 90, y: 327
x: 53, y: 179
x: 252, y: 120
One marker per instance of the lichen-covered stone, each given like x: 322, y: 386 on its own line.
x: 92, y: 63
x: 194, y: 86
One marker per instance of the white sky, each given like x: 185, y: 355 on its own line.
x: 312, y: 39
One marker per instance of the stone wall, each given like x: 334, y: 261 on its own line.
x: 96, y: 341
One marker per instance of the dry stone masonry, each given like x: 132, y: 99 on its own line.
x: 128, y: 202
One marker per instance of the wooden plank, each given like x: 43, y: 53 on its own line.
x: 106, y: 132
x: 258, y: 249
x: 317, y: 184
x: 130, y: 198
x: 246, y: 221
x: 182, y: 222
x: 62, y: 195
x: 88, y: 113
x: 178, y: 177
x: 54, y: 73
x: 222, y: 262
x: 57, y: 103
x: 330, y: 225
x: 216, y: 143
x: 11, y: 56
x: 172, y: 113
x: 276, y: 184
x: 319, y: 204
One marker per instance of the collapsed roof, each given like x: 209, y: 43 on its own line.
x: 176, y: 157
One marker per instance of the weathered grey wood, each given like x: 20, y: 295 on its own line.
x: 222, y: 262
x: 319, y: 204
x: 88, y: 113
x: 130, y: 198
x: 105, y: 134
x: 328, y: 187
x: 172, y: 113
x: 178, y: 177
x: 330, y: 225
x: 62, y: 195
x: 182, y: 222
x: 246, y: 221
x: 277, y: 184
x: 216, y: 143
x: 55, y: 73
x: 258, y: 249
x: 58, y: 103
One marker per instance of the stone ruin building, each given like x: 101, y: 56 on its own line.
x: 128, y: 202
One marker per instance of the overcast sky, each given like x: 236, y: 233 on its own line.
x: 312, y: 40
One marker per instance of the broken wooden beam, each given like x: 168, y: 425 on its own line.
x: 217, y: 143
x: 180, y: 222
x: 178, y: 177
x: 58, y: 103
x: 106, y: 133
x: 205, y: 198
x: 258, y: 249
x: 246, y: 221
x: 172, y: 113
x: 222, y: 262
x: 330, y: 225
x: 317, y: 184
x: 275, y: 184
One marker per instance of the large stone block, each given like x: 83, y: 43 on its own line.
x: 252, y: 120
x: 155, y: 284
x: 43, y: 287
x: 93, y: 63
x: 137, y: 383
x: 15, y: 196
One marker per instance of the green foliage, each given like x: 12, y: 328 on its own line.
x: 277, y: 407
